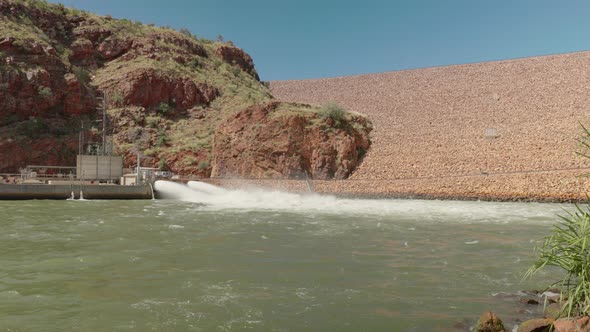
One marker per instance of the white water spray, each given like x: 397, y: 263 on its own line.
x: 216, y: 198
x: 206, y: 188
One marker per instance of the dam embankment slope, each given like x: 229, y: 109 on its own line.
x: 500, y: 130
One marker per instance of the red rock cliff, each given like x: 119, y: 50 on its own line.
x: 167, y: 93
x: 262, y: 142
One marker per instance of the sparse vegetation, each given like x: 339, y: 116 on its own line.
x: 34, y: 127
x: 236, y: 71
x: 152, y: 121
x: 115, y: 99
x: 187, y: 33
x: 189, y: 161
x: 162, y: 138
x: 194, y: 63
x: 203, y: 165
x: 45, y: 92
x: 162, y: 164
x: 163, y: 108
x: 81, y: 74
x: 333, y: 111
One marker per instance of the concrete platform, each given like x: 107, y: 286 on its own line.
x: 64, y: 191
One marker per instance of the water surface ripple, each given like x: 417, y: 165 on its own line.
x: 262, y: 261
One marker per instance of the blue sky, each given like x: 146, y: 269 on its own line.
x: 315, y: 38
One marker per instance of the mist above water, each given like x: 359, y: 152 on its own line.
x: 216, y: 198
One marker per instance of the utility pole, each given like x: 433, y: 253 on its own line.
x: 138, y: 180
x: 81, y: 138
x: 104, y: 123
x: 80, y: 150
x: 103, y: 108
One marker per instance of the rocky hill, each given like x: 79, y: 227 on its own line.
x: 191, y: 105
x: 504, y: 129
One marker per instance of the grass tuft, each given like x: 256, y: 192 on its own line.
x: 568, y: 248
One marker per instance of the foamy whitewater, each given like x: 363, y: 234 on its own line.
x: 216, y: 198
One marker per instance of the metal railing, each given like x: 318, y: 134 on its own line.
x: 41, y: 178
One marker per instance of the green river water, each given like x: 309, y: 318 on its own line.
x: 261, y: 261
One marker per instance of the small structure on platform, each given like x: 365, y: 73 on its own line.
x: 100, y: 168
x: 146, y: 174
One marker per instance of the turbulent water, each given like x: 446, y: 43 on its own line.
x: 208, y: 259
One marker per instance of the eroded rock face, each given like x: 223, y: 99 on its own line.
x: 236, y: 56
x: 148, y: 88
x: 82, y: 49
x: 92, y: 33
x: 41, y: 92
x: 44, y: 151
x: 44, y: 91
x: 190, y: 163
x: 261, y: 143
x: 114, y: 47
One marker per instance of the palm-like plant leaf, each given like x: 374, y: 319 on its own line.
x: 568, y: 248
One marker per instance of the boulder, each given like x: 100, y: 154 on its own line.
x: 536, y: 325
x: 236, y: 56
x: 579, y: 324
x: 112, y: 48
x: 489, y: 322
x: 82, y: 48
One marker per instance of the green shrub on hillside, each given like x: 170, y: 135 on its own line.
x: 81, y: 74
x: 236, y: 71
x: 187, y: 33
x: 45, y: 92
x: 162, y: 138
x: 333, y: 111
x: 34, y: 127
x: 194, y: 63
x: 163, y: 108
x: 115, y: 99
x: 162, y: 165
x: 203, y: 165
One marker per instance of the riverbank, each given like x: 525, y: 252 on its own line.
x: 556, y: 186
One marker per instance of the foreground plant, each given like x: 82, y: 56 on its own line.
x: 569, y: 249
